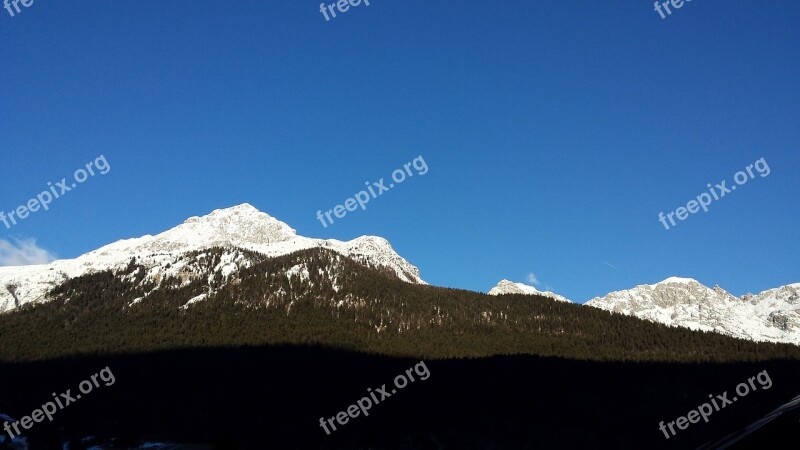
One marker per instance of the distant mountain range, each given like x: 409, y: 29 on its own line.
x: 206, y: 254
x: 770, y: 316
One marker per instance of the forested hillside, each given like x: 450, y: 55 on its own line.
x: 321, y: 297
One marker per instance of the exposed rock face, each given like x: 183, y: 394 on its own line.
x: 12, y: 289
x: 772, y: 315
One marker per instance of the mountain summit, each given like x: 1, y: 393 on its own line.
x: 240, y: 227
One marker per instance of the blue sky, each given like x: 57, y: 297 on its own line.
x: 554, y: 132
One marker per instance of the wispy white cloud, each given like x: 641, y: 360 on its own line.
x: 23, y: 252
x: 533, y: 279
x: 610, y: 265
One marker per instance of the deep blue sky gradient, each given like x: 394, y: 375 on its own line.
x: 554, y: 131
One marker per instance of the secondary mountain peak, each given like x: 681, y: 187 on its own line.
x: 510, y: 287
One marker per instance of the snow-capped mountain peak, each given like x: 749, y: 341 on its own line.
x: 677, y: 280
x: 510, y: 287
x: 241, y: 226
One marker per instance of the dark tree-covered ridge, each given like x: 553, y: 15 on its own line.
x: 321, y: 297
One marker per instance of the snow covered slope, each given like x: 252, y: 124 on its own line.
x: 509, y: 287
x: 773, y: 315
x: 241, y: 226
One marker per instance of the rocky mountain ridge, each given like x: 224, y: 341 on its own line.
x: 772, y: 315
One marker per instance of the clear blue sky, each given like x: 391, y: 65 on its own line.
x: 555, y: 132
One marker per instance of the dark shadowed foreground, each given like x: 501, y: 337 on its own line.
x: 273, y: 397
